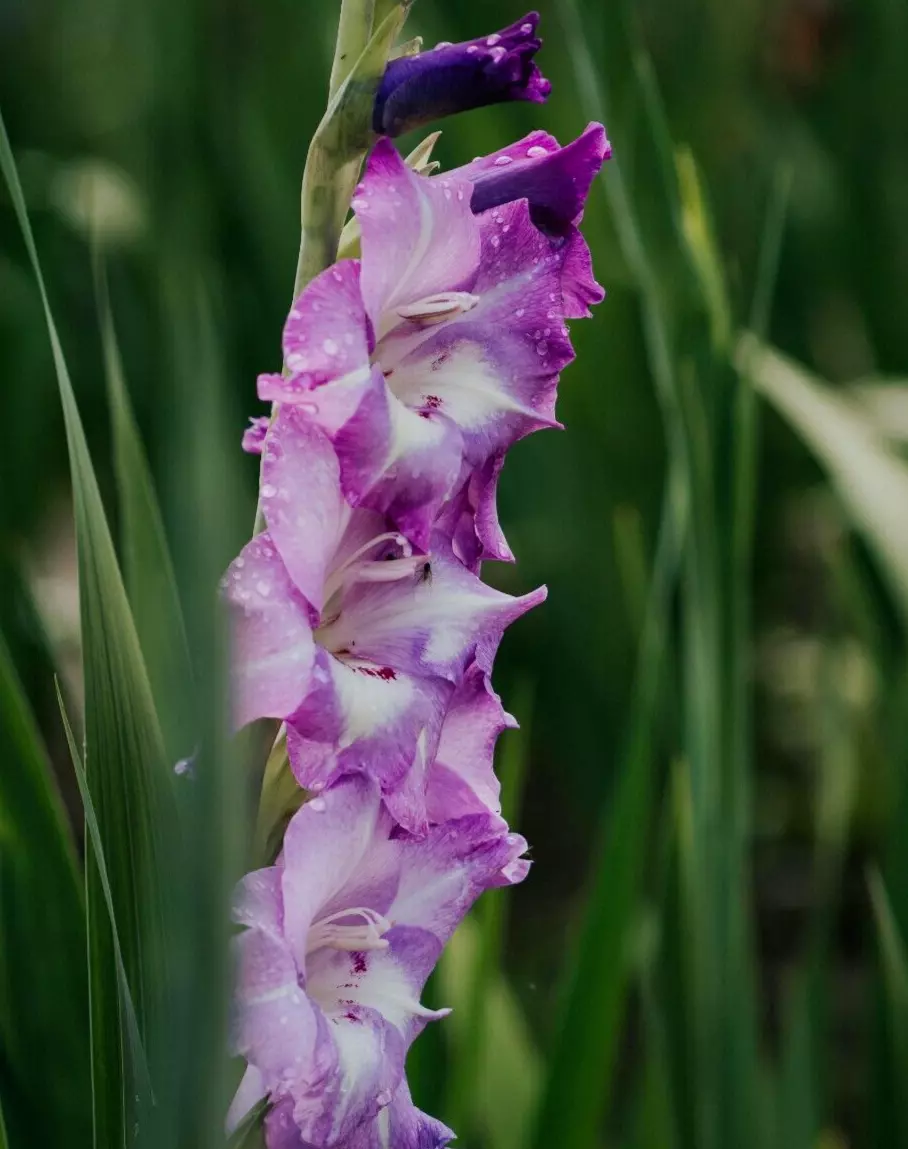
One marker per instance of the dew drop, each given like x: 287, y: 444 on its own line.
x: 503, y: 161
x: 264, y: 588
x: 536, y: 151
x: 526, y: 29
x: 495, y: 241
x: 493, y: 40
x: 520, y: 312
x: 240, y: 562
x: 330, y: 347
x: 383, y: 1098
x: 472, y: 48
x: 318, y: 805
x: 268, y: 491
x: 498, y: 54
x: 541, y: 347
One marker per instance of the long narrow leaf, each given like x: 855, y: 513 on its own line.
x: 868, y: 474
x: 509, y: 1071
x: 147, y: 566
x: 44, y: 1034
x: 141, y: 1079
x: 580, y: 1073
x: 125, y: 766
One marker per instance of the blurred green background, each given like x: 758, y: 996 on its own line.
x: 179, y: 129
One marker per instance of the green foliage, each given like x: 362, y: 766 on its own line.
x: 44, y: 1081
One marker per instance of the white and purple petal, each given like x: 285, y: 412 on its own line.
x: 400, y: 462
x: 432, y: 624
x: 492, y: 370
x: 419, y: 237
x: 273, y: 649
x: 462, y: 778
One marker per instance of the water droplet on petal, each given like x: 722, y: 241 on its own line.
x: 493, y: 39
x: 502, y: 161
x: 526, y: 29
x: 498, y: 54
x: 264, y: 588
x: 268, y: 491
x: 330, y: 347
x: 536, y: 151
x: 383, y: 1098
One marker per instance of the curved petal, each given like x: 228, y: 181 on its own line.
x: 400, y: 462
x: 400, y: 1126
x: 462, y: 779
x: 324, y: 846
x: 470, y: 518
x: 430, y: 625
x: 555, y: 180
x: 276, y: 1026
x: 442, y: 875
x: 327, y: 334
x: 418, y: 235
x: 272, y: 635
x: 377, y: 721
x: 493, y: 370
x: 302, y: 500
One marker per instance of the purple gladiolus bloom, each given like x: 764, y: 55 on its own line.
x: 427, y: 359
x: 341, y: 935
x: 345, y: 634
x: 455, y: 78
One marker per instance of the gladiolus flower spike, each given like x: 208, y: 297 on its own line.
x: 360, y: 619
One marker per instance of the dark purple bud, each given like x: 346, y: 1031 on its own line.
x: 454, y: 78
x: 555, y: 180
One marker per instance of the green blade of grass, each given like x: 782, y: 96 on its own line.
x: 140, y: 1079
x: 581, y: 1067
x: 147, y: 566
x: 893, y: 962
x: 44, y: 1034
x: 509, y: 1072
x: 126, y: 770
x: 870, y: 478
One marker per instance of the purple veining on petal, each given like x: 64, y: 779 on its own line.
x: 453, y: 78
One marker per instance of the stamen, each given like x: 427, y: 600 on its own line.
x: 336, y: 579
x: 365, y: 935
x: 437, y: 308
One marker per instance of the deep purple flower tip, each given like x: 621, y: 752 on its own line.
x: 454, y: 78
x: 554, y: 180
